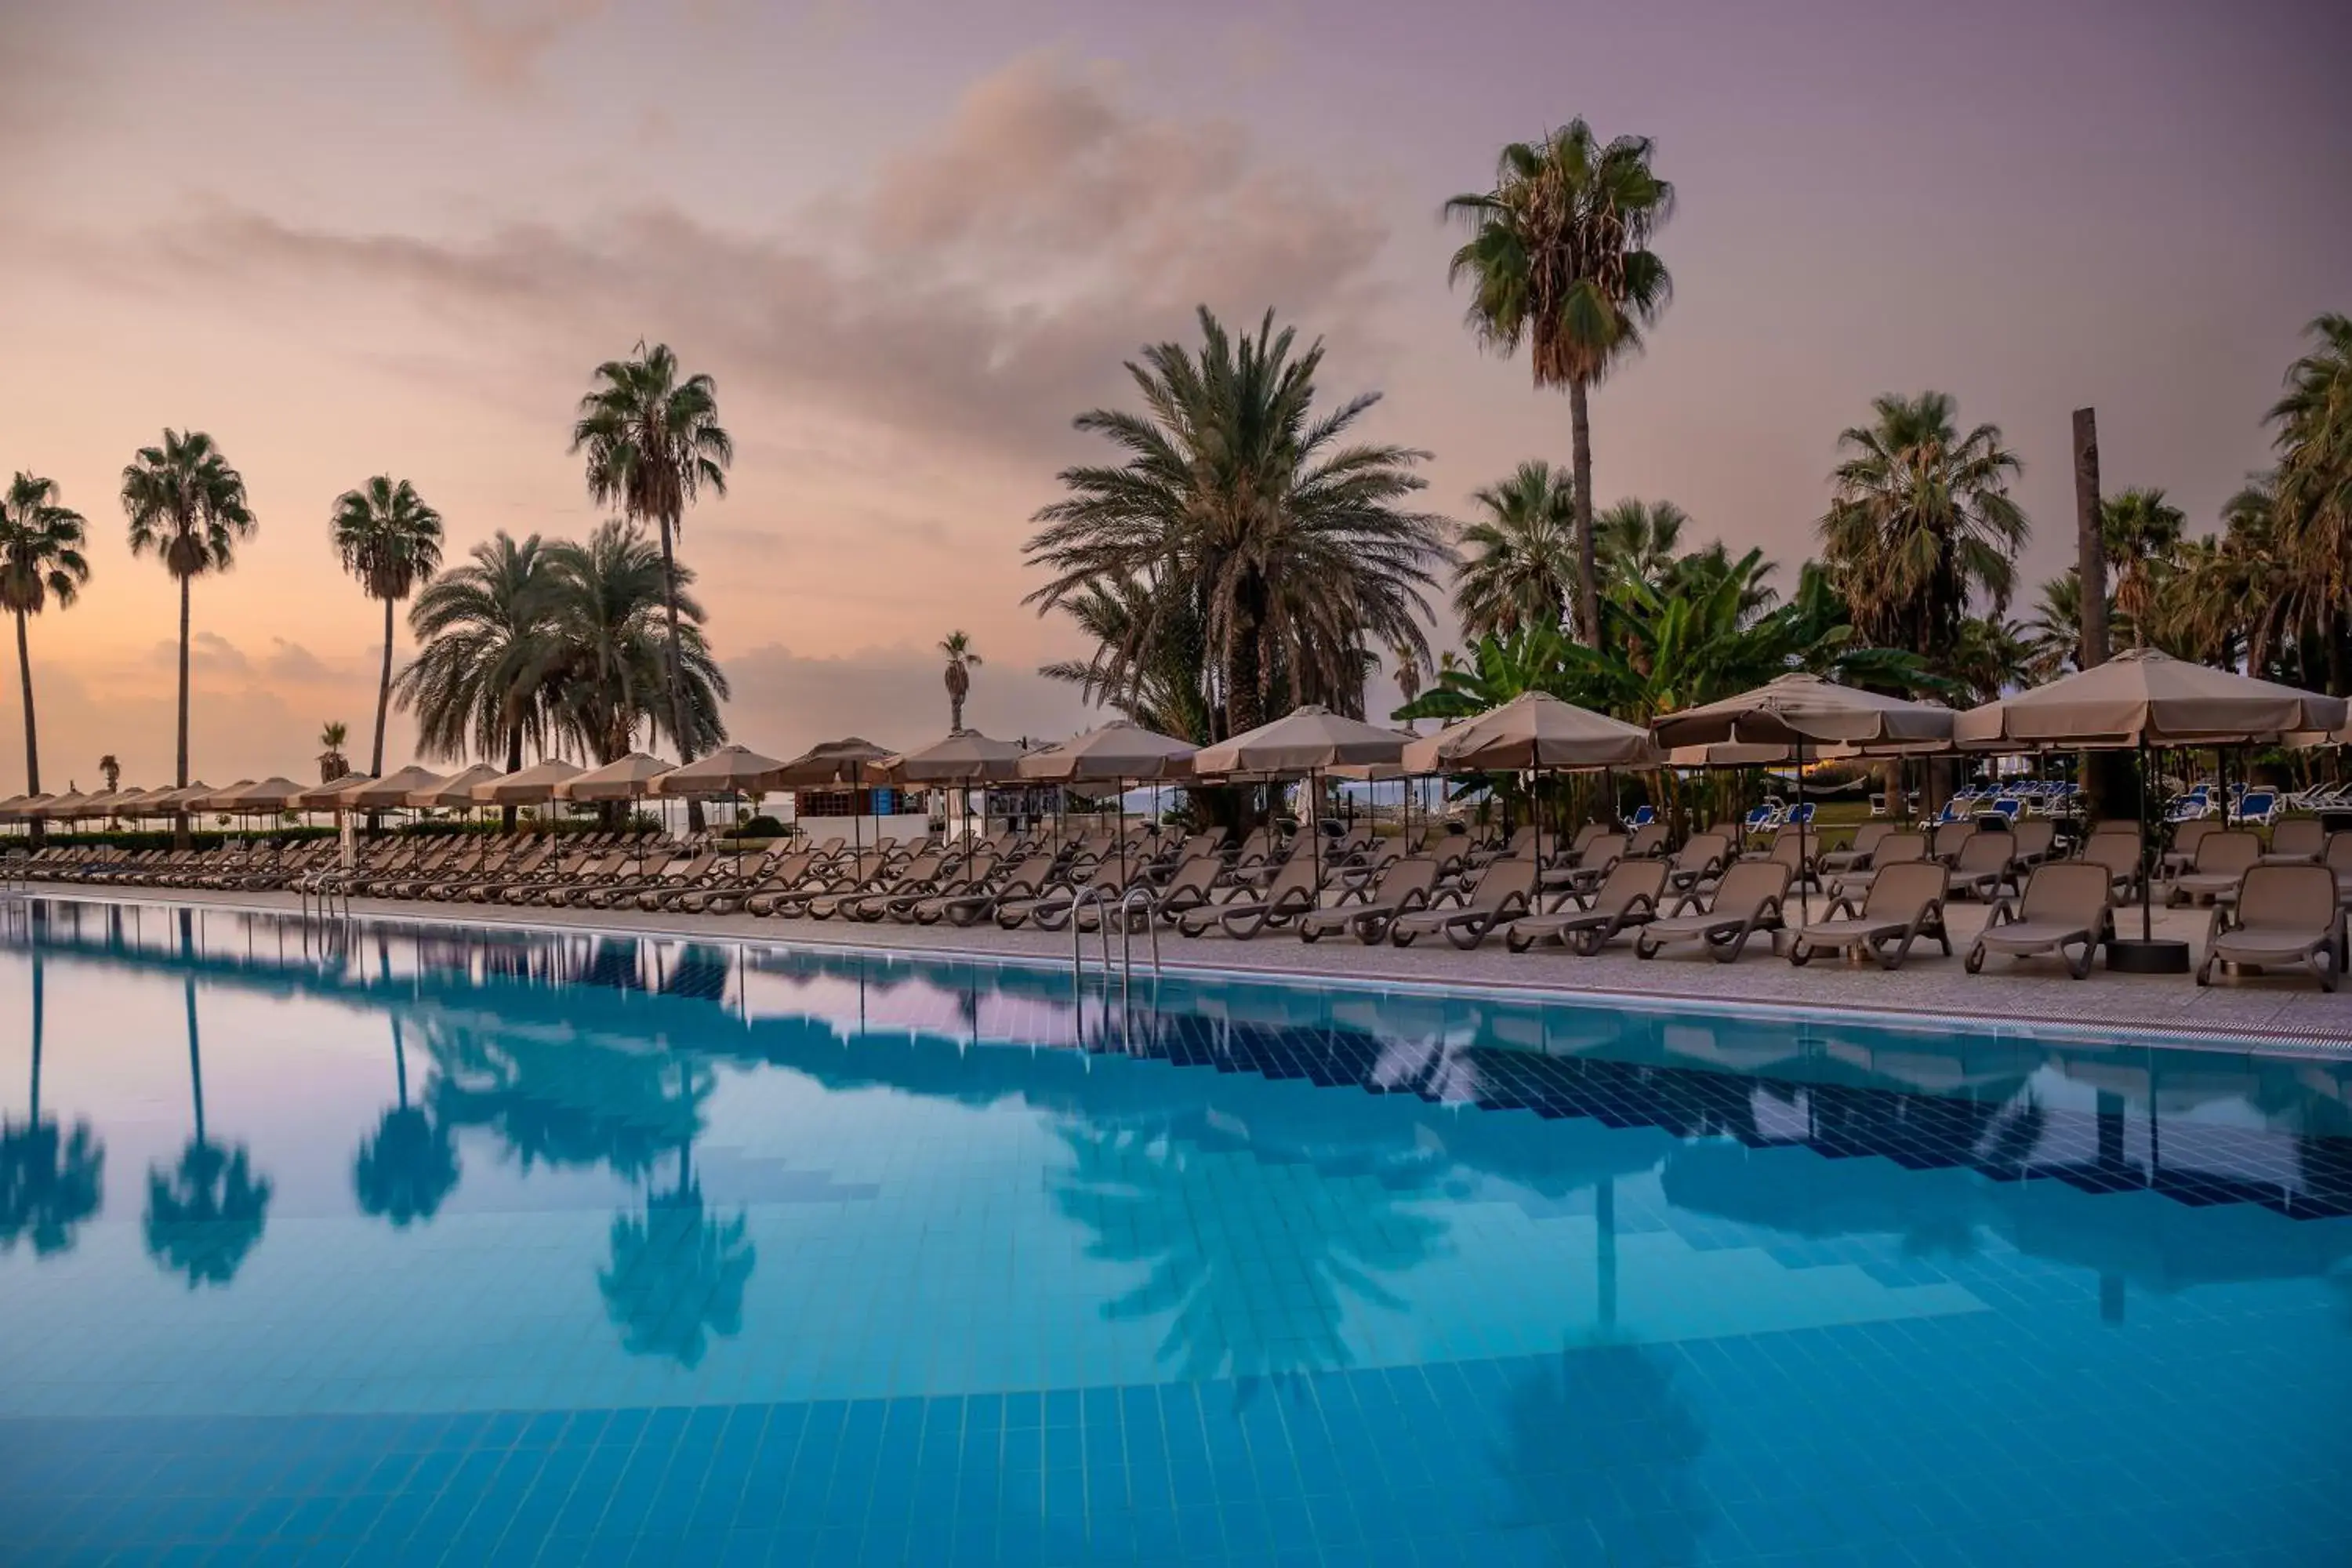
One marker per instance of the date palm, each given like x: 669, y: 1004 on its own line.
x: 608, y: 650
x: 482, y: 680
x: 1642, y: 539
x: 1921, y: 524
x: 332, y: 763
x: 2141, y: 533
x: 1239, y: 503
x: 1159, y: 682
x: 2313, y: 437
x: 391, y: 541
x: 1559, y: 259
x: 962, y: 662
x: 1518, y: 554
x: 187, y: 507
x: 654, y: 444
x: 41, y: 563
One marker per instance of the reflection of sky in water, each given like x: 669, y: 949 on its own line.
x: 415, y: 1171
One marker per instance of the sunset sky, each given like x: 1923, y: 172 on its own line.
x: 912, y: 240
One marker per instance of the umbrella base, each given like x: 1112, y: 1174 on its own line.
x: 2156, y: 956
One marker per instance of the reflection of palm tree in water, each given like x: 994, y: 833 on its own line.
x: 677, y: 1273
x: 49, y: 1181
x: 204, y: 1216
x: 405, y: 1172
x: 572, y: 1100
x: 1157, y: 1197
x: 1579, y: 1422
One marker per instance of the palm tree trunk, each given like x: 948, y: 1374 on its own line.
x: 383, y: 695
x: 514, y: 765
x: 180, y: 822
x: 1588, y: 572
x: 32, y: 731
x: 678, y: 731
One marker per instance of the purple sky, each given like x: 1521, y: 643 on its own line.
x: 912, y: 241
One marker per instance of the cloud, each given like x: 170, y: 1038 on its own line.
x: 498, y: 43
x: 983, y: 290
x: 785, y: 702
x: 291, y: 662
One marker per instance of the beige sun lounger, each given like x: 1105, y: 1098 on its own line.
x: 1701, y: 859
x: 1906, y: 902
x: 2221, y: 860
x: 1856, y: 856
x: 2283, y: 914
x: 1894, y: 849
x: 1402, y: 887
x: 1505, y: 890
x: 1294, y: 893
x: 1747, y: 900
x: 1627, y: 896
x: 1595, y: 861
x: 2065, y: 904
x: 1987, y: 866
x: 2296, y: 840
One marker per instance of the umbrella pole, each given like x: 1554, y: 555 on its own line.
x: 2146, y: 862
x: 1804, y: 886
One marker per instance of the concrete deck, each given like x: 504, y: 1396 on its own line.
x: 2288, y: 1008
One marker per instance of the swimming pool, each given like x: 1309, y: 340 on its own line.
x: 405, y: 1243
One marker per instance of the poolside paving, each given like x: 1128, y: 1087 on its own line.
x: 2285, y: 1007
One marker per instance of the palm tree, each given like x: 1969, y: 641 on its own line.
x: 188, y: 506
x: 1641, y: 540
x: 1518, y: 559
x: 391, y: 541
x: 2054, y: 635
x: 40, y: 559
x: 481, y: 683
x: 608, y: 648
x: 2141, y: 531
x: 654, y: 444
x: 50, y: 1181
x: 1559, y: 258
x: 1407, y: 666
x: 332, y: 763
x: 1157, y: 681
x: 962, y: 662
x: 1237, y: 503
x: 110, y: 768
x: 1922, y: 523
x: 2313, y: 438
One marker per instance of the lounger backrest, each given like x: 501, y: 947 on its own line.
x: 2035, y: 836
x: 1628, y: 881
x: 2287, y: 898
x: 1648, y: 839
x: 2190, y: 835
x: 1196, y: 873
x: 1504, y: 880
x: 2339, y: 852
x: 2066, y: 892
x: 2299, y: 836
x: 1899, y: 891
x: 1900, y: 849
x: 1415, y: 874
x: 1985, y: 852
x: 1602, y: 849
x: 2115, y: 827
x: 1586, y: 835
x: 1295, y: 880
x: 1747, y: 884
x: 1870, y: 835
x: 1701, y: 850
x: 2229, y: 852
x: 1951, y: 838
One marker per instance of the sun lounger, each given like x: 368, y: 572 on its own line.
x: 2221, y: 861
x: 1627, y: 896
x: 2283, y: 914
x: 1595, y: 861
x: 1747, y: 900
x: 2186, y: 837
x: 1894, y: 849
x: 1505, y: 891
x: 1295, y: 892
x: 1028, y: 878
x: 1985, y: 868
x: 1402, y: 888
x: 1649, y: 839
x: 1856, y: 856
x: 1701, y: 858
x: 2065, y: 904
x: 1904, y: 903
x: 2296, y: 840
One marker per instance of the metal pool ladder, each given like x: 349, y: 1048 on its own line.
x: 1105, y: 910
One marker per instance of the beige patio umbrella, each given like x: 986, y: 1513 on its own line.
x: 533, y: 786
x: 2141, y: 699
x: 629, y: 778
x: 1115, y: 754
x: 191, y: 800
x: 392, y: 791
x: 958, y: 760
x: 142, y: 803
x: 1534, y: 732
x: 454, y: 793
x: 1307, y: 740
x: 843, y: 761
x: 329, y: 796
x: 730, y: 771
x: 67, y: 807
x: 275, y: 793
x: 1803, y: 711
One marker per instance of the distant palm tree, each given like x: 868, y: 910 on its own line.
x: 962, y: 662
x: 1154, y: 676
x: 40, y: 559
x: 2142, y: 533
x: 1559, y: 258
x: 391, y: 541
x: 1236, y: 507
x: 1518, y: 556
x: 1921, y: 523
x: 332, y: 763
x: 608, y: 648
x: 2054, y: 634
x: 1641, y: 540
x: 187, y: 506
x: 1407, y: 669
x: 110, y: 769
x: 653, y: 442
x: 482, y: 680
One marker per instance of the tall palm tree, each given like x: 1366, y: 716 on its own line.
x: 1238, y: 503
x: 1921, y: 523
x: 2141, y: 531
x: 391, y: 541
x: 110, y: 768
x: 962, y: 662
x: 2313, y: 438
x: 1518, y: 554
x: 332, y: 763
x: 1406, y: 667
x: 614, y: 598
x: 654, y: 444
x: 1158, y: 680
x: 480, y: 682
x: 1559, y: 258
x: 40, y: 561
x: 188, y: 507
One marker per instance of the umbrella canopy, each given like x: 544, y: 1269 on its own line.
x: 533, y: 786
x: 1801, y: 710
x: 627, y: 779
x: 196, y: 798
x: 965, y: 757
x: 729, y: 770
x: 454, y: 793
x: 1117, y: 751
x: 2147, y: 698
x: 275, y: 793
x: 1533, y: 730
x: 23, y: 808
x: 1303, y: 739
x: 63, y: 807
x: 830, y: 762
x: 391, y: 791
x: 172, y: 801
x: 105, y: 802
x: 141, y: 801
x: 328, y: 796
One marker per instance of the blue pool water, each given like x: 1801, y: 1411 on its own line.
x: 407, y: 1244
